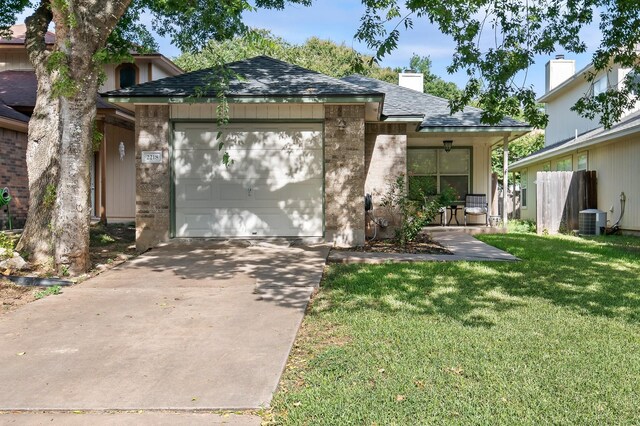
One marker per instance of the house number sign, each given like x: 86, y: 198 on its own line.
x: 151, y: 157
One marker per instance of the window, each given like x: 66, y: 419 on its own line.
x: 600, y: 85
x: 564, y: 165
x: 432, y: 170
x: 126, y: 76
x: 524, y: 181
x: 633, y: 80
x: 583, y: 161
x: 546, y: 167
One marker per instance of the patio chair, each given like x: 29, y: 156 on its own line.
x: 476, y: 205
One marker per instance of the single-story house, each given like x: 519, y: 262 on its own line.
x: 575, y: 143
x: 304, y: 149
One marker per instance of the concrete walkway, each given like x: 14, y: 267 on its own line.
x: 463, y: 246
x: 200, y: 326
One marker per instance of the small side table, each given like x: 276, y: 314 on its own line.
x: 453, y: 208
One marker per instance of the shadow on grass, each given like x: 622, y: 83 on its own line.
x: 595, y: 277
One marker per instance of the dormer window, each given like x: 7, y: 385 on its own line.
x: 127, y: 75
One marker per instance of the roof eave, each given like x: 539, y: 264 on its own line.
x: 559, y: 88
x: 482, y: 129
x: 411, y: 118
x: 572, y: 147
x: 168, y: 63
x: 12, y: 124
x: 245, y: 99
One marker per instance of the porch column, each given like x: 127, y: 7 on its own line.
x: 103, y: 175
x: 505, y: 179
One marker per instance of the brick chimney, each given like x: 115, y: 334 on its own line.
x: 411, y: 80
x: 557, y: 71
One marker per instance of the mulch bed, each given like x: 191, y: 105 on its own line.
x: 423, y: 244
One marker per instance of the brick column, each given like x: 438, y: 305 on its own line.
x: 385, y: 160
x: 344, y: 174
x: 152, y: 180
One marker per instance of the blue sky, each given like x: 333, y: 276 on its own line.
x: 338, y: 20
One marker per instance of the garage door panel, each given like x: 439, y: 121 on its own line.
x: 276, y: 165
x: 195, y: 138
x: 273, y: 188
x: 221, y: 193
x: 244, y: 223
x: 196, y: 190
x: 237, y: 137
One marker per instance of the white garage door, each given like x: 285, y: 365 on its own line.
x: 273, y: 187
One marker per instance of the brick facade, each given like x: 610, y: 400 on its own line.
x: 344, y: 174
x: 13, y: 175
x: 152, y: 180
x: 385, y: 159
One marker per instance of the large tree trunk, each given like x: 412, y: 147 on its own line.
x: 61, y: 129
x: 43, y: 148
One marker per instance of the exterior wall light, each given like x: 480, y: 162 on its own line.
x: 447, y: 145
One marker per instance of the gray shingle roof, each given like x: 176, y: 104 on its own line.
x: 18, y: 88
x: 435, y: 111
x: 631, y: 123
x: 10, y: 113
x: 260, y: 76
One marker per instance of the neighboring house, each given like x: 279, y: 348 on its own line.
x: 575, y: 143
x: 305, y: 148
x: 112, y: 175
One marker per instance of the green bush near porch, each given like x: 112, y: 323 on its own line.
x: 553, y: 339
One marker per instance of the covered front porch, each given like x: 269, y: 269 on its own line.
x: 434, y: 160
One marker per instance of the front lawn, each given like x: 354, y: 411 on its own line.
x: 552, y: 339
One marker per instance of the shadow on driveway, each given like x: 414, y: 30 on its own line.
x: 204, y: 325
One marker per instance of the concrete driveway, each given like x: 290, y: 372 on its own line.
x: 186, y: 326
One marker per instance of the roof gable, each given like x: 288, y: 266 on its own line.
x: 434, y: 111
x: 260, y: 76
x: 19, y: 34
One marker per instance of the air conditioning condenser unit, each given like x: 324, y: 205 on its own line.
x: 592, y: 222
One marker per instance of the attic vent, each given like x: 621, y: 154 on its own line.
x: 592, y: 222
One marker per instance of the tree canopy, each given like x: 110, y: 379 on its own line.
x: 496, y: 42
x: 325, y: 56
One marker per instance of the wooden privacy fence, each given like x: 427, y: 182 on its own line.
x: 560, y: 196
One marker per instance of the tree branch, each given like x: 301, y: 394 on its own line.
x: 37, y: 27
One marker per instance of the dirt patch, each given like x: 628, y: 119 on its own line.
x: 13, y: 296
x: 423, y: 244
x: 111, y: 245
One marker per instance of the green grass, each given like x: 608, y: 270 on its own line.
x: 553, y: 339
x: 49, y: 291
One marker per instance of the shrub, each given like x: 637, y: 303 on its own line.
x: 6, y: 242
x: 412, y: 209
x: 522, y: 226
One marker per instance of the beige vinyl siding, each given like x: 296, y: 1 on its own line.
x: 617, y: 170
x: 249, y: 111
x: 14, y: 60
x: 121, y: 175
x: 529, y: 213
